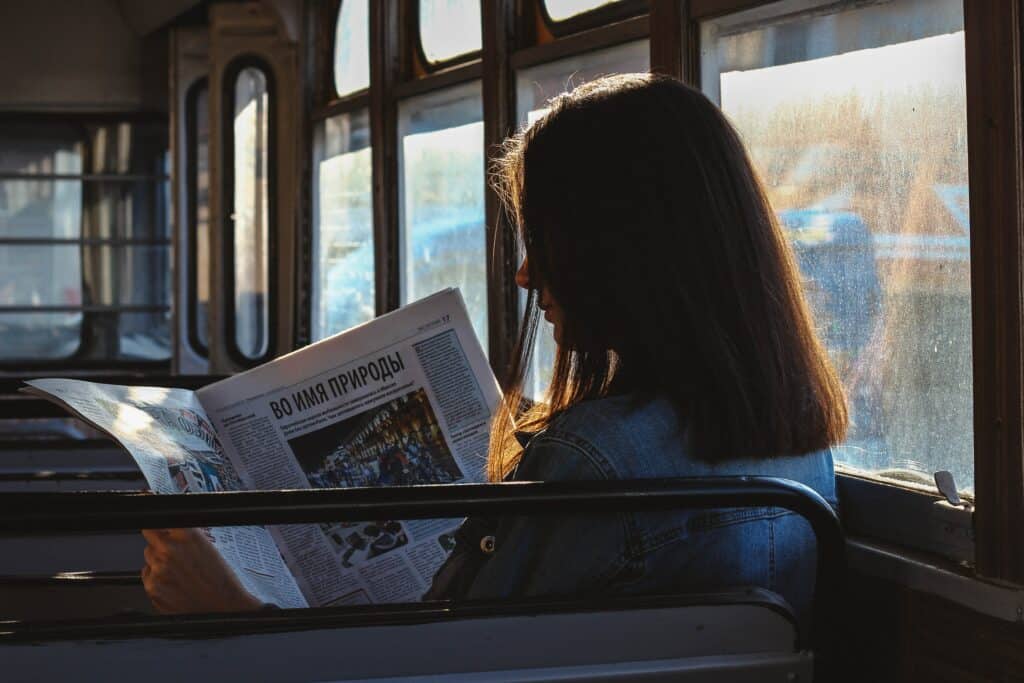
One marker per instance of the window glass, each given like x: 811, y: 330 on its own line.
x: 449, y: 28
x: 41, y: 275
x: 352, y: 47
x: 41, y: 208
x: 442, y: 206
x: 40, y: 335
x: 559, y: 10
x: 84, y: 252
x: 144, y: 335
x: 56, y: 150
x: 251, y: 212
x: 84, y: 275
x: 199, y: 149
x: 534, y: 87
x: 125, y: 210
x: 343, y: 280
x: 856, y: 120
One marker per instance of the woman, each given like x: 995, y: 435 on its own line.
x: 685, y: 348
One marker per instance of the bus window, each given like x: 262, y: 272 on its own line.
x: 250, y: 193
x: 343, y: 291
x: 198, y: 169
x: 84, y: 263
x: 856, y: 120
x: 560, y: 10
x: 442, y: 198
x: 449, y: 28
x: 534, y: 87
x: 352, y: 47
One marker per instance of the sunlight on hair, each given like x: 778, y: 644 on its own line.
x: 535, y: 87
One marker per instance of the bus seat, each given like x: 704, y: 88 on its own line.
x: 743, y: 634
x: 44, y: 556
x: 44, y: 466
x: 693, y: 637
x: 71, y: 595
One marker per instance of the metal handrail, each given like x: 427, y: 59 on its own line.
x: 34, y: 513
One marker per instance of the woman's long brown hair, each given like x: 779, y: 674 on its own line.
x: 642, y: 215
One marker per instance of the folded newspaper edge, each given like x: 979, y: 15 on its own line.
x: 404, y: 399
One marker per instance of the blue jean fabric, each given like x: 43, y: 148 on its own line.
x: 623, y: 437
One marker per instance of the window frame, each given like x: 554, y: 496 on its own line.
x: 325, y: 101
x: 227, y: 95
x: 312, y: 268
x: 330, y: 13
x: 518, y: 33
x: 466, y: 78
x: 513, y: 37
x: 995, y: 149
x: 80, y: 361
x: 420, y: 54
x: 996, y: 186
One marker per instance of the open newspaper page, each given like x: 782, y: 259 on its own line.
x: 171, y: 439
x: 405, y: 399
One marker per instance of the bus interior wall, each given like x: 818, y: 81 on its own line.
x: 95, y: 63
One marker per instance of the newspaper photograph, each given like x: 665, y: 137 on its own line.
x: 410, y: 404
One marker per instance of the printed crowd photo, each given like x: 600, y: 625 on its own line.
x: 398, y: 443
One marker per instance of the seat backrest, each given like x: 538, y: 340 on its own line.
x: 735, y: 636
x: 25, y: 514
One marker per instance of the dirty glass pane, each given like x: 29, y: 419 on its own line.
x: 40, y: 275
x: 40, y: 336
x: 442, y: 198
x: 251, y: 213
x: 144, y: 335
x: 856, y: 121
x: 343, y: 279
x: 352, y: 47
x: 534, y: 87
x: 40, y: 208
x: 449, y: 28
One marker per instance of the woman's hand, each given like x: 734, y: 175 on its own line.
x: 185, y: 573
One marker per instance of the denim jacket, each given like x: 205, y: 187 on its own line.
x: 635, y: 553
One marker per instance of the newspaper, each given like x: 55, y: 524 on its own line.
x: 404, y: 399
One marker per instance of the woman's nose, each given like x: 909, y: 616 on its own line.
x: 523, y: 276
